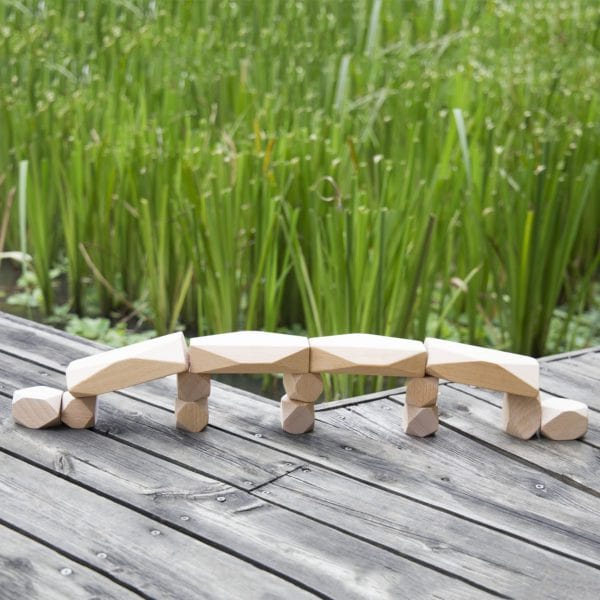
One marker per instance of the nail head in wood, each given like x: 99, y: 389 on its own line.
x: 521, y: 415
x: 78, y: 413
x: 297, y: 417
x: 420, y: 421
x: 422, y: 391
x: 191, y: 416
x: 37, y: 407
x: 563, y: 419
x: 304, y: 387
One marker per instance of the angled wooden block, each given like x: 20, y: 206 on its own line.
x: 192, y: 386
x: 191, y: 416
x: 367, y: 354
x: 297, y: 417
x: 304, y: 387
x: 563, y: 419
x: 420, y: 421
x: 127, y: 366
x: 78, y: 413
x: 521, y: 415
x: 483, y: 367
x: 422, y: 391
x: 249, y: 352
x: 37, y: 407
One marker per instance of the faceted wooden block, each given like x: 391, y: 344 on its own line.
x: 367, y: 354
x: 521, y: 415
x: 249, y: 352
x: 192, y: 386
x: 130, y: 365
x: 191, y: 416
x: 483, y: 367
x: 420, y: 421
x: 78, y: 413
x: 563, y: 419
x: 297, y: 417
x: 422, y: 391
x: 37, y: 407
x: 304, y: 387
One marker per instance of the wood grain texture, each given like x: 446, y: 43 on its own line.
x: 123, y: 367
x: 521, y: 415
x: 419, y: 421
x: 367, y: 354
x: 482, y: 367
x: 37, y: 406
x: 297, y: 417
x: 136, y: 551
x: 32, y: 571
x: 422, y: 391
x: 192, y: 387
x: 566, y: 381
x: 78, y: 413
x: 249, y: 352
x: 191, y: 416
x: 563, y: 419
x: 305, y: 387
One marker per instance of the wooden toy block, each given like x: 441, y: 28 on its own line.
x: 563, y: 419
x: 422, y: 391
x: 37, y: 407
x: 367, y: 354
x: 130, y: 365
x: 297, y: 417
x: 521, y: 415
x: 191, y: 416
x: 192, y: 386
x: 78, y: 413
x: 249, y: 352
x: 483, y: 367
x: 420, y: 421
x: 304, y: 387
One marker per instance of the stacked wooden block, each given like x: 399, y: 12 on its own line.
x: 302, y: 361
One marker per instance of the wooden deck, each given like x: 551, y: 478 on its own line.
x: 356, y: 509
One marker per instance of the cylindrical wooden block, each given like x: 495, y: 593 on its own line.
x: 191, y: 416
x: 297, y: 417
x: 521, y: 415
x: 37, y: 407
x: 78, y: 413
x: 192, y: 386
x: 420, y: 421
x: 422, y: 391
x: 304, y: 387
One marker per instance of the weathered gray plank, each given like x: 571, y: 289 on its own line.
x: 590, y: 362
x: 564, y: 381
x: 291, y: 545
x: 568, y: 450
x: 508, y: 565
x: 29, y: 570
x: 142, y: 553
x: 246, y: 464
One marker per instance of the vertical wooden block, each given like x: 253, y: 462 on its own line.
x: 78, y: 413
x: 37, y: 407
x: 563, y: 419
x: 304, y: 387
x: 192, y: 386
x: 123, y: 367
x: 297, y: 417
x: 521, y: 415
x: 422, y: 391
x: 191, y: 416
x: 420, y: 421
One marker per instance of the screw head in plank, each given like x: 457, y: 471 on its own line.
x: 37, y: 407
x: 367, y: 354
x: 123, y: 367
x: 249, y: 352
x: 483, y: 367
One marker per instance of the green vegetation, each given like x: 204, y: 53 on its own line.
x: 403, y: 168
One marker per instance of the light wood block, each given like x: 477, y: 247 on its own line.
x: 304, y: 387
x: 420, y: 421
x: 127, y: 366
x: 78, y: 413
x: 191, y: 416
x: 37, y: 407
x: 563, y: 419
x: 297, y: 417
x: 193, y: 386
x: 483, y: 367
x: 422, y: 391
x: 367, y: 354
x: 249, y: 352
x: 521, y: 415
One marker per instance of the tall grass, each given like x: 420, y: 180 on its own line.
x: 404, y: 168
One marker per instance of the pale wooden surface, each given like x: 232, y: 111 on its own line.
x: 563, y: 419
x: 356, y: 509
